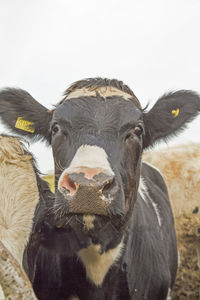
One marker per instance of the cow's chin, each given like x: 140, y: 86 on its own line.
x: 68, y: 232
x: 71, y: 232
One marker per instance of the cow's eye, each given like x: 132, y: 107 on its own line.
x: 55, y: 128
x: 138, y: 130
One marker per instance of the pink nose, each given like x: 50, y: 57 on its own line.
x: 85, y: 177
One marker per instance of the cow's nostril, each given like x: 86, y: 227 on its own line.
x: 108, y: 187
x: 72, y: 186
x: 69, y: 185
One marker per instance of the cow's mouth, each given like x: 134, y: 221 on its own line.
x: 86, y: 222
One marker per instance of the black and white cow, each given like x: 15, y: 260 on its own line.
x: 109, y: 233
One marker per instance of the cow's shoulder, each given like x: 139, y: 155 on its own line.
x: 153, y: 174
x: 147, y: 248
x: 156, y: 190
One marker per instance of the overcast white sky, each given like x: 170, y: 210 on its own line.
x: 153, y: 46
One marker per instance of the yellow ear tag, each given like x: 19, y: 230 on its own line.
x: 24, y: 125
x: 175, y: 112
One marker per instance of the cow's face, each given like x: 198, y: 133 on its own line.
x: 97, y: 134
x: 97, y: 145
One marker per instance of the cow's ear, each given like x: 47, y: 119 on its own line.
x: 170, y: 115
x: 24, y: 115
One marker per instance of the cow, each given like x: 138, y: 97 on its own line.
x: 109, y: 231
x: 19, y: 196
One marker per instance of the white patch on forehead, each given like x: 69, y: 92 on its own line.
x: 105, y: 91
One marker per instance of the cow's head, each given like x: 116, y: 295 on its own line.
x: 97, y: 132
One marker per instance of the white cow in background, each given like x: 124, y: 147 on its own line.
x: 18, y: 199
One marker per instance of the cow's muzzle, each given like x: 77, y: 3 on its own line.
x: 88, y: 190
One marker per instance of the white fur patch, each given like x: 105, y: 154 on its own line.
x: 155, y: 206
x: 105, y: 91
x: 89, y: 221
x: 18, y: 197
x: 97, y: 265
x: 142, y: 189
x: 169, y: 294
x: 89, y: 157
x: 143, y: 193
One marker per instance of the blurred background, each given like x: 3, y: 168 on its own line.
x: 153, y: 46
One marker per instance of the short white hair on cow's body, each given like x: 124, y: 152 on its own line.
x: 18, y: 196
x: 18, y: 199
